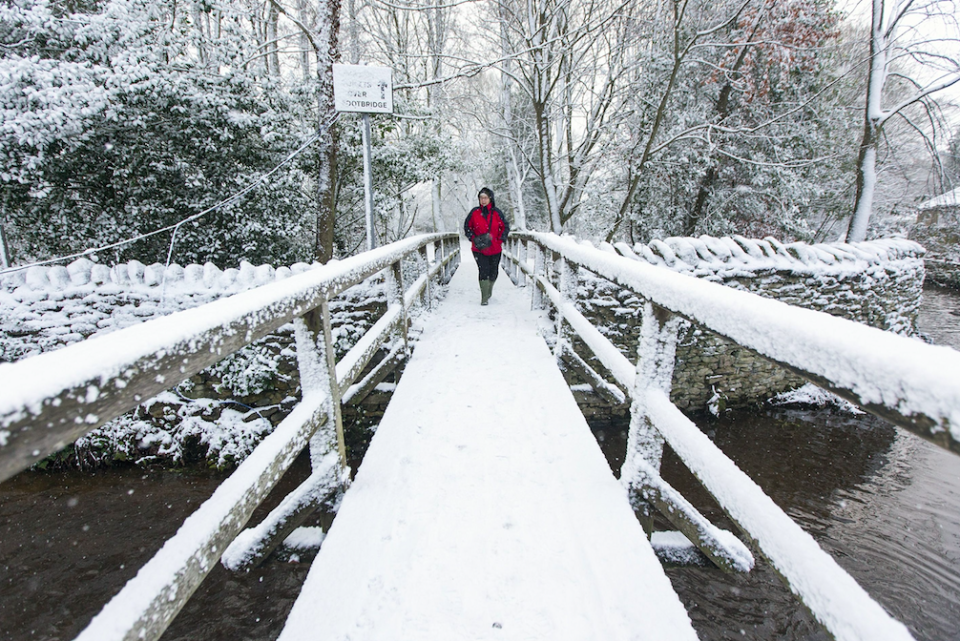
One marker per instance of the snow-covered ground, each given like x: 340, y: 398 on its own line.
x: 484, y: 508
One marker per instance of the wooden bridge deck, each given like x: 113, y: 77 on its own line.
x: 484, y: 508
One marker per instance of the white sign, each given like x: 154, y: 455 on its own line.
x: 363, y: 89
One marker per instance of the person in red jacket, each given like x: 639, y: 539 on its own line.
x: 487, y: 228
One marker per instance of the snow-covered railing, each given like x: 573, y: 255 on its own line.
x: 903, y: 380
x: 51, y: 399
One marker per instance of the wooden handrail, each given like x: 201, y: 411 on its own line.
x: 52, y: 399
x: 902, y: 380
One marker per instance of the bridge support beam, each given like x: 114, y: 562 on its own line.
x: 610, y: 393
x: 355, y: 394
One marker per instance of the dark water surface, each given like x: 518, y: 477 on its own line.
x: 883, y: 503
x: 940, y: 316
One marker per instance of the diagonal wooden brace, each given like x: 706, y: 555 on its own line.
x: 723, y: 548
x: 356, y: 393
x: 322, y: 488
x: 610, y: 393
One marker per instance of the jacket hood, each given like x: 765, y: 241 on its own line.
x: 489, y: 193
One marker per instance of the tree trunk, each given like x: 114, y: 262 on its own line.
x: 304, y: 17
x: 546, y: 169
x: 436, y: 39
x: 273, y: 57
x: 651, y: 137
x: 873, y: 122
x: 866, y: 184
x: 353, y: 32
x: 695, y: 215
x: 506, y: 100
x: 4, y: 252
x: 329, y: 20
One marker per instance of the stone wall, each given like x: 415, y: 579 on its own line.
x: 938, y: 230
x: 878, y: 283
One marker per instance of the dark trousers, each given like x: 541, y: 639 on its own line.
x: 487, y: 265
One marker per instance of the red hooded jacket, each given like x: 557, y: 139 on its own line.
x: 482, y: 220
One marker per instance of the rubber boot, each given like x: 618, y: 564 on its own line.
x: 486, y: 288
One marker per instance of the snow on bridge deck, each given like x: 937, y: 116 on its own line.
x: 484, y: 508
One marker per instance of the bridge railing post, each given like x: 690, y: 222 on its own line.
x: 551, y: 272
x: 568, y: 293
x: 316, y: 360
x: 656, y: 354
x: 394, y: 278
x: 442, y: 275
x: 520, y: 251
x: 423, y: 264
x: 539, y: 269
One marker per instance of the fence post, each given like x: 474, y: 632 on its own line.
x: 317, y: 362
x: 442, y: 275
x: 550, y: 268
x: 656, y: 353
x: 521, y: 255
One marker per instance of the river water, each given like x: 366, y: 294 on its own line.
x: 882, y: 502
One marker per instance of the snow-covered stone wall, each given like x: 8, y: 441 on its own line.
x: 46, y: 308
x: 878, y: 283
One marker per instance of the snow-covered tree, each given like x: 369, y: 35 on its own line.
x: 914, y: 48
x: 568, y: 62
x: 728, y: 121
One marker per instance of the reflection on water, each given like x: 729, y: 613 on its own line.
x: 883, y: 503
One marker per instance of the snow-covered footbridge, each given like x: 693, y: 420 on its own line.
x: 484, y: 507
